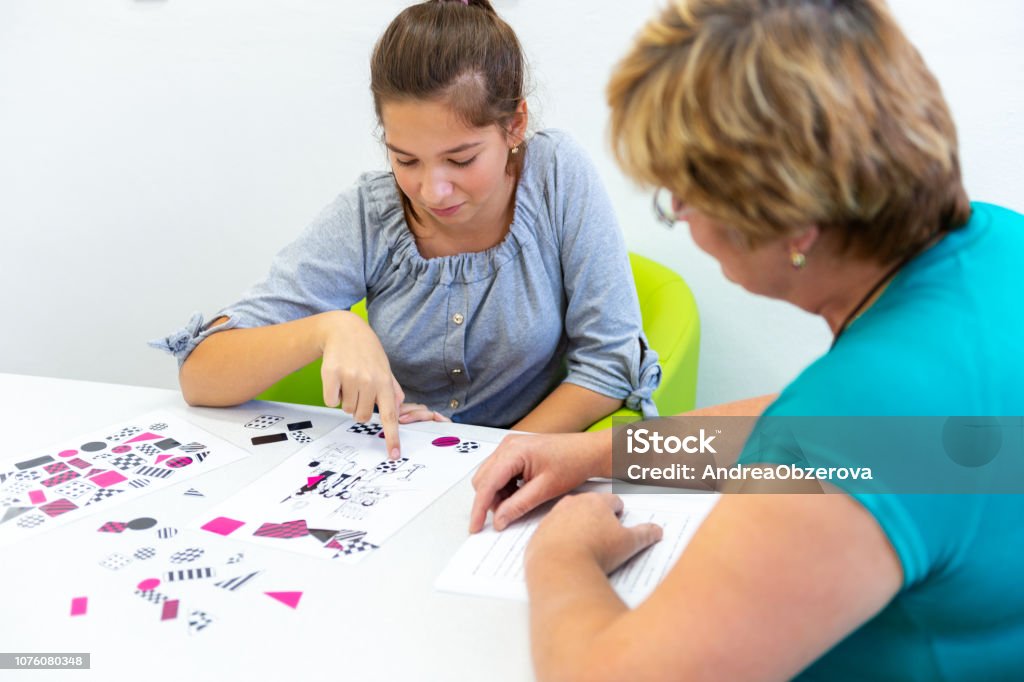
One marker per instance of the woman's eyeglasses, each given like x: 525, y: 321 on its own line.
x: 668, y: 209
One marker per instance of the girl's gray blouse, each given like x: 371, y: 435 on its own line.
x: 479, y: 337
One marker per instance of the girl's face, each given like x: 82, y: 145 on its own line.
x: 453, y: 174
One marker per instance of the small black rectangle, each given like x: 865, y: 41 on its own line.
x: 300, y: 425
x: 167, y: 444
x: 272, y: 438
x: 29, y: 463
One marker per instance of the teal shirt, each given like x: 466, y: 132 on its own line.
x: 945, y: 338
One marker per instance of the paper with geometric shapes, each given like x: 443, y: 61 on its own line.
x: 95, y: 472
x: 340, y: 497
x: 490, y: 563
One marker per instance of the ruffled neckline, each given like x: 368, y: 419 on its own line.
x: 461, y: 267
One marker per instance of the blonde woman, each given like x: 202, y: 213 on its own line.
x: 811, y: 152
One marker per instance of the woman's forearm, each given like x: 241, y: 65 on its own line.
x: 233, y: 366
x: 569, y: 408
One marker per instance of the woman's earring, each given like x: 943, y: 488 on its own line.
x: 798, y: 260
x: 515, y: 150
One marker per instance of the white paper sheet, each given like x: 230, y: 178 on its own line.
x: 340, y: 497
x: 490, y: 563
x: 100, y: 470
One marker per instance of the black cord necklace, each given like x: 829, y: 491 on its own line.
x: 890, y: 273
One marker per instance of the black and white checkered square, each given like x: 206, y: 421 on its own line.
x: 30, y: 520
x: 365, y: 429
x: 103, y: 494
x: 159, y: 426
x: 143, y: 553
x: 124, y: 433
x: 126, y: 462
x: 357, y: 546
x: 152, y: 596
x: 187, y: 555
x: 149, y: 449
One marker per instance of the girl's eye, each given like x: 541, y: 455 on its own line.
x: 411, y: 162
x: 463, y: 164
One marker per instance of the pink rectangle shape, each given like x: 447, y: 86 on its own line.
x: 79, y: 605
x: 170, y: 611
x: 107, y: 479
x: 36, y: 496
x: 222, y: 525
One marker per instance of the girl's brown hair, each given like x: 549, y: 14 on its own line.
x: 770, y: 115
x: 461, y: 53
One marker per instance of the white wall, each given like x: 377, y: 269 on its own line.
x: 155, y: 155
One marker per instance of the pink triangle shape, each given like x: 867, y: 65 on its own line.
x: 160, y: 458
x: 145, y: 436
x: 287, y: 598
x: 313, y: 480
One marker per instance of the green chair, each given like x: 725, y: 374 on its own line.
x: 670, y: 322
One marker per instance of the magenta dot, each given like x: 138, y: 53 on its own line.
x: 67, y: 453
x: 149, y: 584
x: 120, y: 449
x: 445, y: 441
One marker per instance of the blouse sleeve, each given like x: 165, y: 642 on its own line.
x: 607, y: 350
x: 323, y: 269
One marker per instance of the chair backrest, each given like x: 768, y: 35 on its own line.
x: 670, y: 322
x: 672, y: 326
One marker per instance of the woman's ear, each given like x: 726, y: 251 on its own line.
x: 804, y: 240
x: 518, y: 125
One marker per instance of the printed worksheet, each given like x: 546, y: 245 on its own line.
x: 490, y: 563
x: 340, y: 497
x: 97, y: 471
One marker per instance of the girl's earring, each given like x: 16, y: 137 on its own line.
x: 515, y: 150
x: 798, y: 260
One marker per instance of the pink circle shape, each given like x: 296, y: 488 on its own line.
x: 178, y: 462
x: 149, y: 584
x: 120, y: 449
x: 67, y: 453
x: 445, y: 441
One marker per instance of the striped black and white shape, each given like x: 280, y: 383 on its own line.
x: 154, y: 472
x: 189, y: 574
x: 192, y: 492
x: 233, y: 584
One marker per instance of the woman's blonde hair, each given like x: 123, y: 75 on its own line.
x: 771, y: 115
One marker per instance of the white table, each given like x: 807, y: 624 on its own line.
x: 378, y: 620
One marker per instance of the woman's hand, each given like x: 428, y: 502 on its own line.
x: 549, y: 465
x: 357, y: 375
x: 589, y: 524
x: 416, y: 412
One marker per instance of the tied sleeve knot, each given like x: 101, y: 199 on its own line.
x: 183, y: 341
x: 640, y: 399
